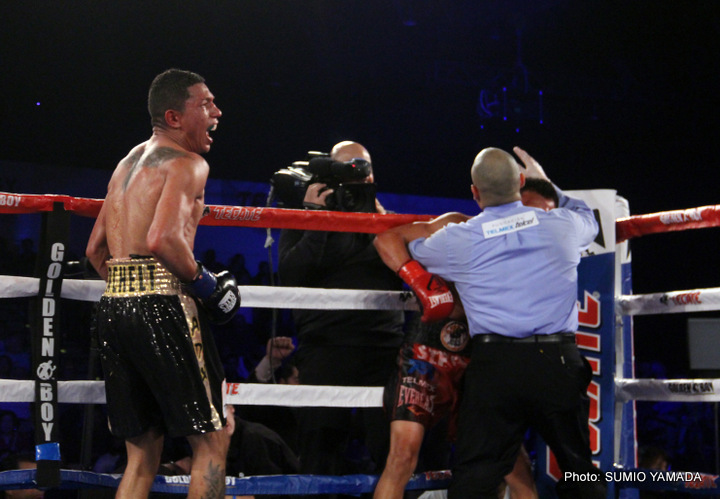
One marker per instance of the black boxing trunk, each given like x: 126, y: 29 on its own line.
x: 162, y: 369
x: 425, y: 385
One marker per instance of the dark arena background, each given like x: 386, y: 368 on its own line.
x: 605, y: 95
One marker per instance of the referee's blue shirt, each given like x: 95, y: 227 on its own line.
x: 515, y: 267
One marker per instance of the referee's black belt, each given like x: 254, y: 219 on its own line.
x: 535, y: 338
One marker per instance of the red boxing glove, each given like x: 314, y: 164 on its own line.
x: 432, y: 291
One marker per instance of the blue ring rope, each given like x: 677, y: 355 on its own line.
x: 251, y: 485
x: 642, y: 479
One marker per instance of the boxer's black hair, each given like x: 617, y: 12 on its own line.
x: 542, y: 187
x: 169, y: 90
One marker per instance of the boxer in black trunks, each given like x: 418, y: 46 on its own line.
x: 157, y: 377
x: 162, y: 371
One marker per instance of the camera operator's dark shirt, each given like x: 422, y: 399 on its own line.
x: 341, y: 260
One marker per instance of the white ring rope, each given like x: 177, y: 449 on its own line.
x: 70, y: 392
x: 670, y: 390
x: 93, y: 392
x: 671, y: 302
x: 252, y: 296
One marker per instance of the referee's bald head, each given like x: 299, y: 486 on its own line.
x: 496, y: 176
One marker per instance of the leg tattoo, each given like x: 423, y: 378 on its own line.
x: 214, y: 481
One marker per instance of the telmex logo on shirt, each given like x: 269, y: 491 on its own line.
x: 510, y: 224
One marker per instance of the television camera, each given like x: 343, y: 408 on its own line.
x: 350, y: 193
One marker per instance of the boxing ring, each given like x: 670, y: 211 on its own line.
x: 606, y: 307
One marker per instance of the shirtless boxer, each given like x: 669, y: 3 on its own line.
x: 162, y: 371
x: 425, y: 386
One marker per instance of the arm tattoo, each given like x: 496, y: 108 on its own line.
x: 152, y: 160
x: 214, y: 481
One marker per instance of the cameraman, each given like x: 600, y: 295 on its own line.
x: 341, y: 347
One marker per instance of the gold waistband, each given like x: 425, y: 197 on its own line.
x: 139, y: 277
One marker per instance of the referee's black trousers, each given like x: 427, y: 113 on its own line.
x: 510, y: 387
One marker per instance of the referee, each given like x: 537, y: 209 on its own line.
x: 515, y: 270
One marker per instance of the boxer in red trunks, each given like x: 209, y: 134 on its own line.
x: 426, y: 385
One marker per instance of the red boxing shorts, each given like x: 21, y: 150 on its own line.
x: 426, y: 383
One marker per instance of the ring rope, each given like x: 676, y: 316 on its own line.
x: 667, y: 221
x: 671, y: 302
x: 281, y: 218
x: 93, y: 392
x: 626, y: 228
x: 671, y: 390
x: 229, y: 216
x: 268, y: 296
x: 252, y: 296
x: 644, y: 479
x: 250, y: 485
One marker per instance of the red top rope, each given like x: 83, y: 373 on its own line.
x: 667, y: 221
x: 371, y: 223
x: 229, y: 216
